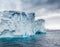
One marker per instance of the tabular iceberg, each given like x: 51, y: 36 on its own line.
x: 14, y: 23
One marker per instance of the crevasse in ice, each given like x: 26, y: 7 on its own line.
x: 15, y: 23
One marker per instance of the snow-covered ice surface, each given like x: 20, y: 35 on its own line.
x: 15, y: 23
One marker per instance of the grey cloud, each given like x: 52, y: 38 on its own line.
x: 53, y: 1
x: 49, y: 4
x: 34, y: 2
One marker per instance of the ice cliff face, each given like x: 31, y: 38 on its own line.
x: 39, y: 26
x: 19, y: 23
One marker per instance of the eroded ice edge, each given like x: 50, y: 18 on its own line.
x: 20, y: 24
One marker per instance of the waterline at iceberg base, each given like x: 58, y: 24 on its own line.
x: 20, y: 24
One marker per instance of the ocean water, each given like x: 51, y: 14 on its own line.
x: 50, y: 39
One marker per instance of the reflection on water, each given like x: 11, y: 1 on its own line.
x: 50, y: 39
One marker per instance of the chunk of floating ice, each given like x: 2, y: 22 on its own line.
x: 23, y: 24
x: 39, y: 26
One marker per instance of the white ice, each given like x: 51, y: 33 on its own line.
x: 14, y: 23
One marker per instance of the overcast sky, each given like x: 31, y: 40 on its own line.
x: 45, y: 9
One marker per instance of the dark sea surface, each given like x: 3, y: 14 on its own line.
x: 50, y: 39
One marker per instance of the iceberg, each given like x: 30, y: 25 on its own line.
x: 39, y: 26
x: 16, y: 23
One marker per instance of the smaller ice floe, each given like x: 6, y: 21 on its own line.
x: 39, y: 26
